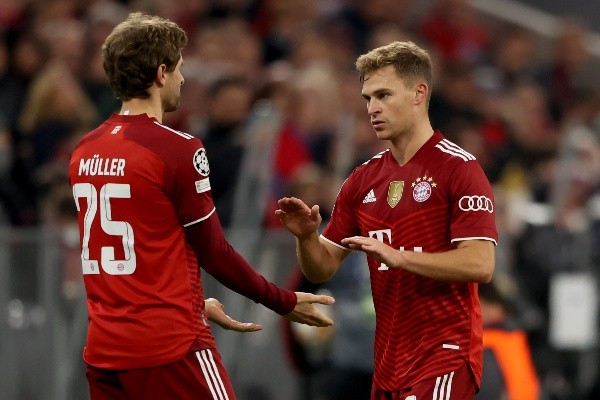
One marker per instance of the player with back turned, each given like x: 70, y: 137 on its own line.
x: 147, y: 222
x: 423, y: 212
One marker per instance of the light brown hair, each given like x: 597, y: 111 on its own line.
x: 410, y: 62
x: 136, y: 48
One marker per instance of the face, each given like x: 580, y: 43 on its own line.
x: 172, y: 89
x: 230, y: 105
x: 392, y: 106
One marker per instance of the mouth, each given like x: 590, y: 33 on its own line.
x: 377, y: 125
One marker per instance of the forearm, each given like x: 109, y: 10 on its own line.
x: 218, y: 258
x: 464, y: 264
x: 317, y: 263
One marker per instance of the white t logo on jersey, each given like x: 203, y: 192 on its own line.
x: 379, y: 235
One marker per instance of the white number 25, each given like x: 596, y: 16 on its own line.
x: 110, y: 227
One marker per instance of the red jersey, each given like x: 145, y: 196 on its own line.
x: 425, y: 327
x: 137, y: 184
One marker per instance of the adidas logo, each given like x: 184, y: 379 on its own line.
x: 370, y: 197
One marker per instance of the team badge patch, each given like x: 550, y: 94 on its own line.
x: 395, y: 193
x: 201, y: 162
x: 422, y: 188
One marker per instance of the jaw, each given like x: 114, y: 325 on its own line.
x: 384, y: 134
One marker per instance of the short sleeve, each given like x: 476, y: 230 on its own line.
x: 343, y: 222
x: 472, y: 205
x: 191, y: 191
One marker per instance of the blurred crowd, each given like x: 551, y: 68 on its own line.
x: 528, y: 107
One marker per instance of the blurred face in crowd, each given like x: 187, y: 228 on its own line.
x: 230, y: 105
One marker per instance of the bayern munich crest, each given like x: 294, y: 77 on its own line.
x: 422, y: 188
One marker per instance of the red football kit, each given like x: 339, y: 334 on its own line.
x: 147, y: 220
x: 425, y: 328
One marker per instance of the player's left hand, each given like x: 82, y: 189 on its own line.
x: 374, y: 248
x: 306, y: 313
x: 215, y: 312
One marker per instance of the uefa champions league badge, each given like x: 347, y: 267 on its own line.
x: 422, y: 188
x: 201, y: 162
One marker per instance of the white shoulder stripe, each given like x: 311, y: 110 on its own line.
x: 452, y: 145
x: 378, y: 155
x: 448, y: 145
x: 182, y: 134
x: 451, y: 152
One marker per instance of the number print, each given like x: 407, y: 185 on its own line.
x: 114, y: 228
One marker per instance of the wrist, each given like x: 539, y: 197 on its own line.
x: 314, y: 235
x: 402, y: 259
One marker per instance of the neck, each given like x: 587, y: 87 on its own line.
x: 406, y: 145
x: 150, y: 107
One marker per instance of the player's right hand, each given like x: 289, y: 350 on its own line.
x: 301, y: 220
x: 215, y: 311
x: 306, y: 313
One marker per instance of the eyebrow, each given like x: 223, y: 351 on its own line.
x: 375, y: 93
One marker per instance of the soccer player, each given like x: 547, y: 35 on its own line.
x: 423, y: 212
x: 147, y: 222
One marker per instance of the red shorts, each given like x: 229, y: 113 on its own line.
x: 455, y: 385
x: 200, y: 375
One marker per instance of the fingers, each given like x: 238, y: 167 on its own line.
x: 291, y: 204
x: 354, y: 240
x: 310, y: 316
x: 215, y: 312
x: 238, y: 326
x: 310, y: 309
x: 321, y: 320
x: 230, y: 324
x: 314, y: 211
x: 314, y: 298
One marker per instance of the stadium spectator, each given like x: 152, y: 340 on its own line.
x: 509, y: 372
x: 229, y: 105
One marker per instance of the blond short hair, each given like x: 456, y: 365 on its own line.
x: 410, y: 62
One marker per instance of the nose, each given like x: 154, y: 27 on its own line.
x: 373, y: 107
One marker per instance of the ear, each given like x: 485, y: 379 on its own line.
x: 421, y: 92
x: 161, y: 75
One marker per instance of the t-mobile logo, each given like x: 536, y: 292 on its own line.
x: 379, y: 235
x: 387, y: 233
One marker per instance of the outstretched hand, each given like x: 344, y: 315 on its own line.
x: 297, y: 217
x: 373, y: 248
x: 306, y: 313
x: 215, y: 311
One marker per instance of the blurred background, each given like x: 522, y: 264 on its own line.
x: 270, y: 88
